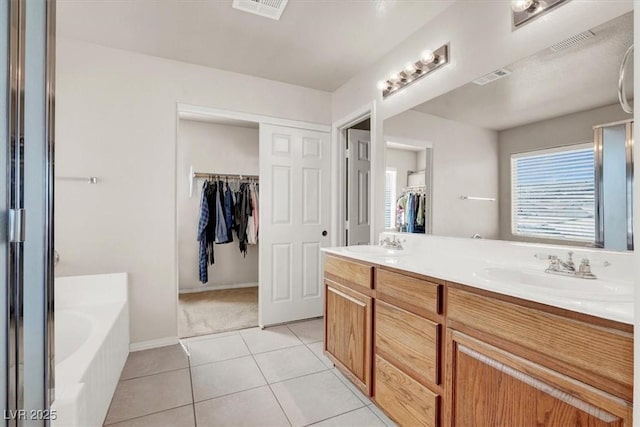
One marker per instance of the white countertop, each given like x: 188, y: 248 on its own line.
x: 468, y: 262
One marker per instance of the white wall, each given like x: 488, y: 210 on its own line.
x: 481, y: 40
x: 116, y: 119
x: 402, y: 161
x: 465, y: 162
x: 565, y: 130
x: 221, y: 149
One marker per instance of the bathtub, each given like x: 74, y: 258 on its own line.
x: 91, y: 346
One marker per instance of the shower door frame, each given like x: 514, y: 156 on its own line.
x: 26, y: 222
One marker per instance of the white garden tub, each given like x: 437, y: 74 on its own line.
x: 91, y: 346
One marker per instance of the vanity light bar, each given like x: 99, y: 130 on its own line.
x: 413, y: 71
x: 525, y: 11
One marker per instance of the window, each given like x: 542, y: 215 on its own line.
x: 553, y: 193
x: 390, y: 198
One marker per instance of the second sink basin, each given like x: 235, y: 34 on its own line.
x: 561, y: 286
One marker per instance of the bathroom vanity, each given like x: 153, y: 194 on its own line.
x: 433, y: 351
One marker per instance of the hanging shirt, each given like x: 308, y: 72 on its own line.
x: 420, y: 214
x: 243, y: 210
x: 254, y: 199
x: 252, y: 224
x: 229, y: 213
x: 410, y: 213
x: 202, y: 236
x: 221, y: 226
x: 211, y: 192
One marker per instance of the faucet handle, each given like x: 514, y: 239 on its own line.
x: 585, y: 269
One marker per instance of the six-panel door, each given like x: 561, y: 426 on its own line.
x: 294, y: 222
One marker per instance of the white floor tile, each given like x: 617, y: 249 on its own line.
x: 154, y: 361
x: 362, y: 417
x: 186, y: 341
x: 314, y: 398
x: 178, y: 417
x: 217, y: 349
x: 268, y: 339
x: 146, y: 395
x: 280, y: 365
x: 318, y: 350
x: 309, y: 331
x: 256, y: 407
x: 221, y: 378
x: 352, y: 387
x: 388, y: 421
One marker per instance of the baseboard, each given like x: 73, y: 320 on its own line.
x: 159, y: 342
x: 218, y: 287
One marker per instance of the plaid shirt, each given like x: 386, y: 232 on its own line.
x: 202, y: 236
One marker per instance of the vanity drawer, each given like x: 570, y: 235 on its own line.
x: 596, y: 355
x: 404, y: 399
x: 349, y: 273
x: 415, y: 295
x: 408, y: 341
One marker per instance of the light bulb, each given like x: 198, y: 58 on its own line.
x: 521, y: 5
x: 410, y: 67
x: 394, y: 77
x: 428, y: 56
x: 382, y: 85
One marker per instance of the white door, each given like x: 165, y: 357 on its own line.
x: 358, y: 184
x: 295, y: 209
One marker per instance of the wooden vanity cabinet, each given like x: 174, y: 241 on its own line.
x: 408, y: 347
x: 348, y: 319
x: 434, y: 353
x: 513, y: 363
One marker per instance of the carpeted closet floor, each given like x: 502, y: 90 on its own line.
x: 210, y: 312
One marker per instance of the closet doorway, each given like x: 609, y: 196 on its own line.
x: 217, y: 203
x: 408, y: 193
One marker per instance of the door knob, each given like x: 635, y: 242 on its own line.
x: 324, y: 232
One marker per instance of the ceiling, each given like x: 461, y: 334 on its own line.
x: 319, y: 44
x: 546, y: 85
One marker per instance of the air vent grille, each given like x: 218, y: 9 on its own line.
x: 268, y: 8
x: 571, y: 41
x: 492, y: 77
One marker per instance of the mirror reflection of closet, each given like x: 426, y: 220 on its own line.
x: 408, y: 189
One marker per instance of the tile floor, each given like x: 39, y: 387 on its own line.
x: 272, y: 377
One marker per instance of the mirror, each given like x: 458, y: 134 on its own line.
x: 538, y: 151
x: 407, y: 197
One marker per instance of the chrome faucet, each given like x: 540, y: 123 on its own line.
x: 392, y: 244
x: 568, y: 267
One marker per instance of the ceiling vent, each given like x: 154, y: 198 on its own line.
x: 492, y: 77
x: 268, y: 8
x: 571, y: 41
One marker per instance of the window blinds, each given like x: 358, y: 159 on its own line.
x: 553, y: 193
x: 390, y: 199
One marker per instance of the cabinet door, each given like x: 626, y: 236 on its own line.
x: 487, y: 386
x: 348, y: 333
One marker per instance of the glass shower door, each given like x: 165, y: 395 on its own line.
x: 614, y: 185
x: 26, y: 210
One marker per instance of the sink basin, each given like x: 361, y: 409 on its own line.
x: 377, y: 251
x: 561, y: 286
